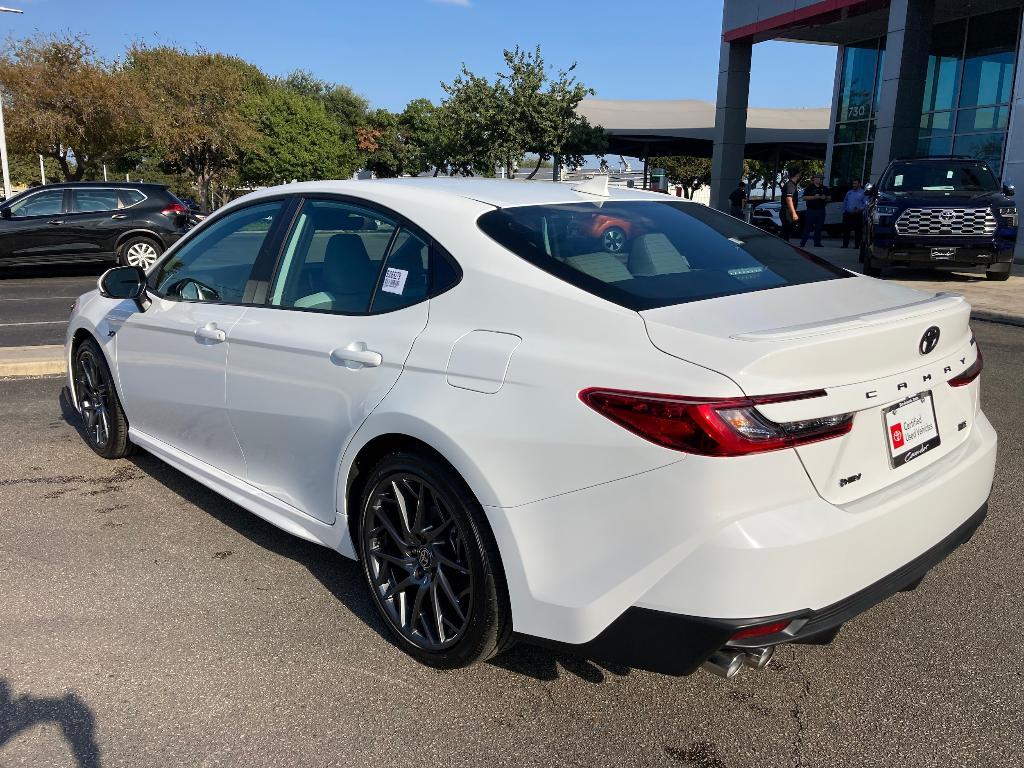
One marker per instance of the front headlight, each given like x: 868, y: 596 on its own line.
x: 1010, y: 214
x: 883, y: 211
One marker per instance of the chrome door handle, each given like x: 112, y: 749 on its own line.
x: 119, y: 216
x: 356, y: 356
x: 55, y: 222
x: 210, y: 332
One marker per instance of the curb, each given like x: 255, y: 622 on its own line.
x: 44, y: 360
x: 998, y: 317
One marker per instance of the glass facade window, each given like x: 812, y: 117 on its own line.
x: 860, y: 87
x: 969, y: 85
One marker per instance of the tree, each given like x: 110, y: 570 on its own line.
x: 197, y: 109
x: 691, y: 173
x: 527, y: 109
x: 343, y: 104
x: 403, y: 143
x: 66, y: 103
x: 296, y: 139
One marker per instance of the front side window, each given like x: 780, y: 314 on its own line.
x: 939, y: 177
x: 40, y: 204
x: 89, y: 200
x: 673, y: 252
x: 216, y: 263
x: 333, y: 258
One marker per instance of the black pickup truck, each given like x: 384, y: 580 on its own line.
x: 944, y: 212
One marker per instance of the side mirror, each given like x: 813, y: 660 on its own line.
x: 1008, y: 190
x: 5, y: 213
x: 870, y: 191
x: 125, y: 283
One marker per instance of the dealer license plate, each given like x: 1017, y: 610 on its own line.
x: 911, y: 429
x: 944, y: 253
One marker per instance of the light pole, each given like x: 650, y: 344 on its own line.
x: 3, y: 133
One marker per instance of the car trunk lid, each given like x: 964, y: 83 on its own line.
x: 860, y: 341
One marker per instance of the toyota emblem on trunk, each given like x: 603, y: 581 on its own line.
x: 930, y: 340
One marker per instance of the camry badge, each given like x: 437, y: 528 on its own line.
x: 929, y: 341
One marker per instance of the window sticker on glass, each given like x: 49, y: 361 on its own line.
x: 394, y: 280
x: 898, y: 181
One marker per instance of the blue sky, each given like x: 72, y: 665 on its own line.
x: 392, y: 51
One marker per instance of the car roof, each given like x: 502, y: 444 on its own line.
x: 99, y: 185
x: 500, y: 193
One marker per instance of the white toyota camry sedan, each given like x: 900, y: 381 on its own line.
x: 680, y: 453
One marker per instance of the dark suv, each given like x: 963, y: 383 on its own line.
x: 947, y: 212
x: 90, y: 221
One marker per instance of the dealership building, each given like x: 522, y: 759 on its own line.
x: 913, y: 77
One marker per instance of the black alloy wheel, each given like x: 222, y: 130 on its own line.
x: 104, y: 422
x: 431, y: 563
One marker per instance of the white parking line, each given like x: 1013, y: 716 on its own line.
x: 37, y: 322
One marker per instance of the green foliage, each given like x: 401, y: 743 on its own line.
x: 25, y: 169
x: 295, y: 138
x: 691, y: 173
x: 66, y: 103
x: 198, y: 106
x: 528, y: 108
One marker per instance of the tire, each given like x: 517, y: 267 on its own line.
x: 443, y: 553
x: 139, y: 251
x: 103, y: 419
x: 613, y: 240
x: 1000, y: 275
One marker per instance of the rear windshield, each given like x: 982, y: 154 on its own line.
x: 939, y: 177
x: 645, y: 254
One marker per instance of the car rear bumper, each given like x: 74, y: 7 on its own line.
x: 665, y: 596
x: 674, y: 644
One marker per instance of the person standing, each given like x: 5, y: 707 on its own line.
x: 853, y: 214
x: 736, y: 200
x: 815, y: 196
x: 790, y: 200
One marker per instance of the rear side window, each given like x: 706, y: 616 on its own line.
x: 131, y: 197
x: 89, y: 200
x: 404, y: 280
x: 333, y: 258
x: 644, y: 254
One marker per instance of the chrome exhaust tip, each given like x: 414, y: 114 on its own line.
x: 725, y: 663
x: 758, y: 658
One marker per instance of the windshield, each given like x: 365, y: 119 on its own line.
x: 939, y: 177
x: 647, y: 254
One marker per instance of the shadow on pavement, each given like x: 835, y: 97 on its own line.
x: 20, y: 713
x: 342, y: 577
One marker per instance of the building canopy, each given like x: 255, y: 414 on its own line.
x: 642, y: 128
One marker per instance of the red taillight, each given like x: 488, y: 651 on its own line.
x: 970, y: 374
x: 174, y: 209
x: 760, y: 630
x: 712, y: 427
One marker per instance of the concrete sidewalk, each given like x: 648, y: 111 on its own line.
x: 1001, y: 302
x: 32, y: 361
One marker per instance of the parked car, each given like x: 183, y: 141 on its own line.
x: 90, y: 221
x: 685, y: 457
x: 941, y: 212
x: 767, y: 216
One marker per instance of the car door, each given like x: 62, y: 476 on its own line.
x: 171, y: 359
x: 342, y: 313
x: 31, y: 228
x: 93, y: 220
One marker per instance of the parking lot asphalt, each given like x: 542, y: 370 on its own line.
x: 144, y: 620
x: 35, y: 302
